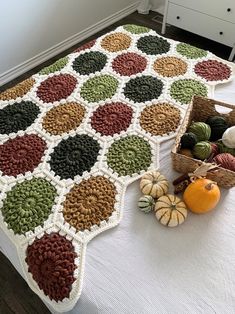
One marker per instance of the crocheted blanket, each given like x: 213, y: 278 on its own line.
x: 76, y: 134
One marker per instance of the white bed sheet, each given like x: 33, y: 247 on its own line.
x: 141, y: 267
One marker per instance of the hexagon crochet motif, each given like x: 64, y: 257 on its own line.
x: 75, y: 135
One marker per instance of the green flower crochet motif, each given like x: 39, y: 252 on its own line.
x: 184, y: 90
x: 190, y: 52
x: 89, y: 62
x: 153, y: 45
x: 136, y: 29
x: 129, y: 155
x: 57, y: 66
x: 99, y: 88
x: 143, y: 88
x: 28, y: 204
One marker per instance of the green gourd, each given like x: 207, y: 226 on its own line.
x: 202, y: 150
x: 201, y: 130
x: 218, y: 126
x: 146, y: 203
x: 224, y: 149
x: 188, y: 140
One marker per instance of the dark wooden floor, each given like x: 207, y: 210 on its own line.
x: 15, y: 296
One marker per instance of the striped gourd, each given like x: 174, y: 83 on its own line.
x: 202, y: 150
x: 154, y: 183
x: 170, y: 210
x: 201, y: 130
x: 146, y: 203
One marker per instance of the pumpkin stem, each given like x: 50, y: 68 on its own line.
x: 209, y: 186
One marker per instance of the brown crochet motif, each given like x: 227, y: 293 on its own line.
x: 63, y: 118
x: 170, y: 66
x: 18, y: 91
x: 89, y: 202
x: 160, y: 119
x: 116, y: 42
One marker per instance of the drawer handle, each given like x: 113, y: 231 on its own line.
x: 178, y: 17
x: 229, y: 9
x: 221, y: 33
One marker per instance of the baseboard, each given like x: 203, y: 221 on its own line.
x: 67, y: 43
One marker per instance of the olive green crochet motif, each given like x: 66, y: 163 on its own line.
x: 28, y: 204
x: 190, y: 52
x: 136, y: 29
x: 129, y: 155
x: 184, y: 90
x: 57, y: 66
x: 89, y: 62
x: 99, y: 88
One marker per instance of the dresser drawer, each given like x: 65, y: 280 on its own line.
x: 201, y: 24
x: 223, y: 9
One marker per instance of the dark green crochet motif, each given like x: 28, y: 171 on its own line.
x: 99, y: 88
x: 129, y: 155
x: 28, y: 204
x: 57, y: 66
x: 74, y: 155
x: 153, y: 45
x: 190, y: 52
x: 89, y: 62
x: 136, y: 29
x: 18, y: 116
x: 184, y: 90
x: 144, y: 88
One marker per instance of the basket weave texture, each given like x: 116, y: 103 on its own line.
x: 199, y: 110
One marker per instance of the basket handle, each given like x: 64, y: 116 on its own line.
x: 212, y: 107
x: 182, y: 128
x: 224, y: 110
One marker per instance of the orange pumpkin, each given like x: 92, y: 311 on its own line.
x: 201, y: 196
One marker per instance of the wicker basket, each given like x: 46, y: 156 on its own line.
x: 199, y: 110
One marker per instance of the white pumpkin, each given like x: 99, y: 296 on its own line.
x: 154, y: 183
x: 228, y: 137
x: 146, y: 203
x: 170, y: 210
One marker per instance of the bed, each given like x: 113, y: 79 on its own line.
x: 141, y: 266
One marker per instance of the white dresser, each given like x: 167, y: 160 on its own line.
x: 213, y: 19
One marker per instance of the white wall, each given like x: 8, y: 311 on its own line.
x: 29, y: 27
x: 157, y: 5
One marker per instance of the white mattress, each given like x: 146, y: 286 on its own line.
x: 141, y: 267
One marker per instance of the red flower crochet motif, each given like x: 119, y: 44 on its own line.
x: 56, y: 87
x: 86, y: 46
x: 21, y: 154
x: 51, y: 262
x: 212, y: 70
x: 129, y: 64
x: 111, y: 118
